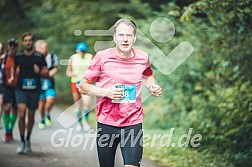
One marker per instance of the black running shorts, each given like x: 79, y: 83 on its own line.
x: 30, y: 98
x: 9, y: 95
x: 131, y: 144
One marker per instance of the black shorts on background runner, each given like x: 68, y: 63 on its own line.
x: 9, y: 95
x: 30, y: 98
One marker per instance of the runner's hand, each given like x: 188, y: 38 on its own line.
x: 36, y: 68
x: 10, y: 80
x: 115, y: 93
x: 155, y: 90
x: 51, y: 73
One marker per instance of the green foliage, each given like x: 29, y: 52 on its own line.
x: 209, y: 92
x: 177, y: 156
x: 214, y: 95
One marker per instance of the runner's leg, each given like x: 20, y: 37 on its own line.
x: 107, y: 141
x: 41, y: 110
x: 132, y: 145
x: 21, y: 120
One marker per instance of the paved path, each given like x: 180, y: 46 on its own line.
x: 56, y: 147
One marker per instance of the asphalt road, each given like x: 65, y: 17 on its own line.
x: 57, y: 147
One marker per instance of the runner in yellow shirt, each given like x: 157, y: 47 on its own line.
x: 77, y: 65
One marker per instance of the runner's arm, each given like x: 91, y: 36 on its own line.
x: 112, y: 92
x: 12, y: 73
x: 69, y: 70
x: 2, y: 57
x: 44, y: 72
x: 149, y: 80
x: 152, y: 86
x: 41, y: 68
x: 53, y: 71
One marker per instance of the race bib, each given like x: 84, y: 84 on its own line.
x: 129, y: 94
x: 46, y: 84
x: 29, y: 84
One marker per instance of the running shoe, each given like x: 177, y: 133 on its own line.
x: 7, y: 137
x: 78, y: 128
x: 11, y: 136
x: 48, y: 122
x: 86, y: 126
x: 28, y: 146
x: 41, y: 125
x: 21, y: 148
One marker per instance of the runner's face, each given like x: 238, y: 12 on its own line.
x: 12, y: 48
x: 42, y: 48
x: 28, y: 42
x: 124, y: 37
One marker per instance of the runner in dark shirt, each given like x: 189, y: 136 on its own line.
x: 31, y: 66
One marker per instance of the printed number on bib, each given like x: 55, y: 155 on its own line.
x: 29, y: 84
x: 129, y: 94
x: 46, y: 84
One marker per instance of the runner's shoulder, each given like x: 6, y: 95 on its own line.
x: 88, y: 56
x: 20, y: 53
x: 141, y: 54
x: 37, y: 54
x: 103, y: 54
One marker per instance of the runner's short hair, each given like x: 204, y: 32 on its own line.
x: 27, y: 34
x: 127, y: 22
x: 39, y: 42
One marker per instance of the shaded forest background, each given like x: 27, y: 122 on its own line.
x: 210, y: 92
